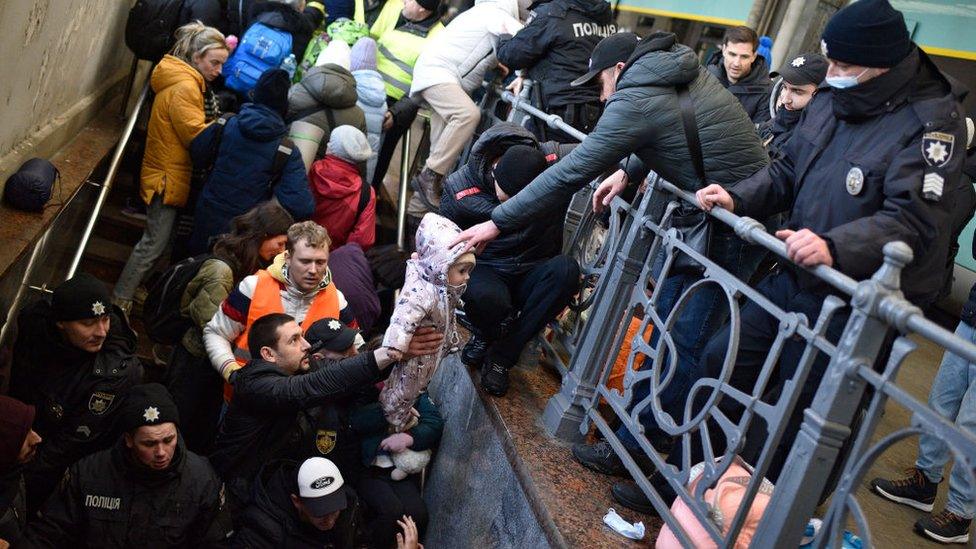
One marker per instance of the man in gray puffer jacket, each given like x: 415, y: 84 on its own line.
x: 326, y: 97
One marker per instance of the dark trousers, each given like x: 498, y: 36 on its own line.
x: 391, y: 140
x: 757, y: 332
x: 386, y: 501
x: 510, y: 309
x: 198, y: 392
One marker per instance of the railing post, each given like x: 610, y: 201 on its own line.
x: 826, y: 423
x: 567, y: 409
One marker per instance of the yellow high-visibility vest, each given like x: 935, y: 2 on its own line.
x: 397, y: 49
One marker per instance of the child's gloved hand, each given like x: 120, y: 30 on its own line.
x: 397, y: 442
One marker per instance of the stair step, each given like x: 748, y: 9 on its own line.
x: 117, y: 227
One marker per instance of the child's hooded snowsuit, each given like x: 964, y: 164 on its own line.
x: 425, y: 300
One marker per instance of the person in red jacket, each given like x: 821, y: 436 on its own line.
x: 344, y: 204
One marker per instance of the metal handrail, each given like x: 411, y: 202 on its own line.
x: 113, y: 169
x: 402, y: 194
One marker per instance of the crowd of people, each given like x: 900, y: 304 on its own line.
x: 294, y: 409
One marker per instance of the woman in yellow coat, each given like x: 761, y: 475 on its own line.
x: 180, y: 82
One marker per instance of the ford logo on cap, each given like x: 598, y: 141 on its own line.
x: 322, y: 482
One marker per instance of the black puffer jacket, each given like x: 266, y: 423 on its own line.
x: 469, y: 198
x: 262, y: 422
x: 77, y: 394
x: 752, y: 91
x: 271, y: 521
x: 110, y: 500
x: 642, y: 117
x: 555, y: 47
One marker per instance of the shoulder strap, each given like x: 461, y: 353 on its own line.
x: 364, y: 189
x: 691, y: 131
x: 282, y: 154
x: 215, y: 145
x: 330, y: 116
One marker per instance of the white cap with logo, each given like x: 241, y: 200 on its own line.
x: 320, y: 486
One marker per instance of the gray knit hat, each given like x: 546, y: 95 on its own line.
x: 349, y: 144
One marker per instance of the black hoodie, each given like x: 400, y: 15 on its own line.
x: 555, y: 47
x: 752, y: 90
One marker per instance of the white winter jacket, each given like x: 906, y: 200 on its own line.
x: 464, y: 51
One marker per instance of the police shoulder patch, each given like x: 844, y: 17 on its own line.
x: 937, y: 148
x: 325, y: 441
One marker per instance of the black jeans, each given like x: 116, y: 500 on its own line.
x: 386, y: 501
x: 509, y: 310
x: 198, y: 392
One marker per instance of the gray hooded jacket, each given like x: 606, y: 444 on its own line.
x: 326, y: 88
x: 643, y: 117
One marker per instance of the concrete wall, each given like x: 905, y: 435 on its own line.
x: 61, y: 61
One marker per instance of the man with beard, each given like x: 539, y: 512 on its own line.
x: 743, y: 72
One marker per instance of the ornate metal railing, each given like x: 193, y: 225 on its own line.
x: 637, y: 253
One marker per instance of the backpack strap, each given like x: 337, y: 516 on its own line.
x: 691, y: 131
x: 364, y: 189
x: 221, y: 123
x: 282, y: 154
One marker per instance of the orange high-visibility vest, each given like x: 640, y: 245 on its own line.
x: 267, y: 300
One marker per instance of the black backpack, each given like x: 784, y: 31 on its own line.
x: 161, y: 316
x: 150, y: 27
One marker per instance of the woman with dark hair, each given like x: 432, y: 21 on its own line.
x: 255, y: 239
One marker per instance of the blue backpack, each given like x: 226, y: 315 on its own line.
x: 262, y: 48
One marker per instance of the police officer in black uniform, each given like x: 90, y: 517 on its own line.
x: 876, y: 158
x: 553, y: 49
x: 74, y: 359
x: 148, y: 490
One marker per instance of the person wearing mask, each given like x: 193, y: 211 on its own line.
x: 448, y: 70
x: 372, y: 96
x: 871, y: 162
x: 147, y: 490
x: 179, y: 82
x: 299, y: 506
x: 802, y: 77
x: 345, y: 204
x: 272, y: 392
x: 326, y: 95
x: 247, y: 164
x: 18, y: 446
x: 73, y: 360
x: 553, y: 50
x: 402, y: 30
x: 742, y: 72
x: 254, y: 239
x: 521, y: 281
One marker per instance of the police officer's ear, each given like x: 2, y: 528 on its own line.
x: 296, y: 502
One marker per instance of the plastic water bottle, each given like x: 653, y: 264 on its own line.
x: 290, y: 65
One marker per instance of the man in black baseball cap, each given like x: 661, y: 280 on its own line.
x: 610, y: 55
x: 802, y: 76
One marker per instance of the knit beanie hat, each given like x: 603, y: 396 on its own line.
x: 80, y: 297
x: 430, y: 5
x: 518, y: 167
x: 349, y: 144
x: 16, y: 419
x: 363, y: 55
x: 272, y: 90
x: 147, y: 404
x: 336, y: 53
x: 869, y: 33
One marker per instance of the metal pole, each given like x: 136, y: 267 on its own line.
x: 402, y: 195
x: 791, y: 20
x: 554, y: 121
x: 113, y: 169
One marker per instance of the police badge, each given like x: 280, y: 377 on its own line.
x: 325, y: 441
x: 99, y: 402
x: 937, y: 148
x: 855, y: 181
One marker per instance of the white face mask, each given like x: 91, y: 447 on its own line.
x: 844, y: 82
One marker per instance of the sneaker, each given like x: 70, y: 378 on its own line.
x: 916, y: 490
x: 427, y: 185
x: 494, y: 379
x: 474, y: 351
x: 136, y: 209
x: 946, y: 527
x: 601, y: 458
x: 632, y: 497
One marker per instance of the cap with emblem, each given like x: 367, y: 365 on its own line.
x: 148, y: 404
x: 807, y: 68
x: 81, y: 296
x: 613, y: 49
x: 320, y: 486
x: 869, y: 33
x: 330, y: 334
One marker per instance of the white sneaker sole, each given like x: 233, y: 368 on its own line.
x: 927, y: 507
x: 964, y: 538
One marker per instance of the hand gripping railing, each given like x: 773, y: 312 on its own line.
x: 877, y: 309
